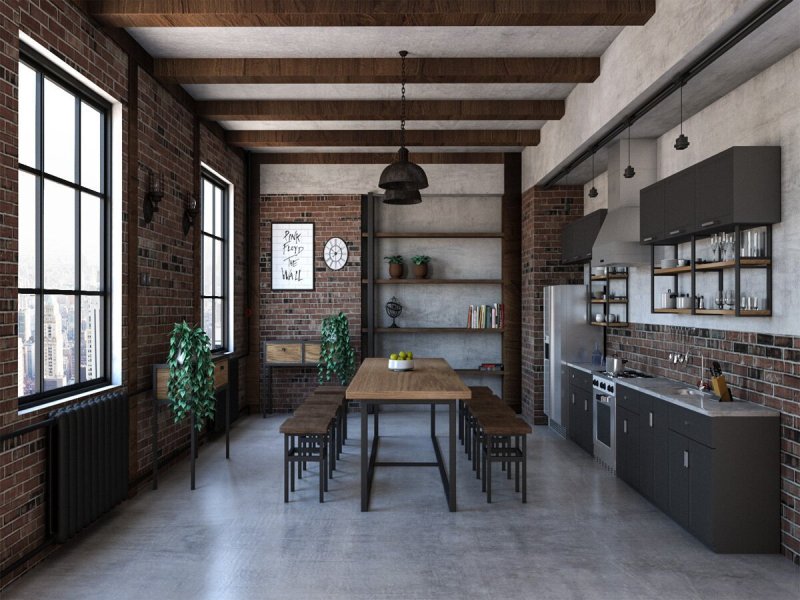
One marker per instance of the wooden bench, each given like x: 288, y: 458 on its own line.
x: 497, y: 434
x: 337, y: 390
x: 330, y: 412
x: 305, y: 440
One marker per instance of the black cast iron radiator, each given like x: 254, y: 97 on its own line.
x: 90, y: 461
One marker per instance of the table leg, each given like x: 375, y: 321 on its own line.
x: 452, y: 474
x: 228, y: 422
x: 364, y: 458
x: 433, y: 420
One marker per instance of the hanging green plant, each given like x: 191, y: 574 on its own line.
x: 336, y: 356
x: 191, y: 374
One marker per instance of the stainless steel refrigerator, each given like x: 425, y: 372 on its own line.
x: 568, y: 336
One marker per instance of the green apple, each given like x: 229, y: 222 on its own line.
x: 409, y: 355
x: 402, y: 356
x: 393, y: 357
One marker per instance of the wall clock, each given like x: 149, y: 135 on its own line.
x: 335, y: 253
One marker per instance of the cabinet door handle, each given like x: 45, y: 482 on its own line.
x: 651, y: 419
x: 707, y: 224
x: 573, y: 398
x: 585, y: 405
x: 648, y: 238
x: 675, y: 231
x: 624, y: 425
x: 686, y: 459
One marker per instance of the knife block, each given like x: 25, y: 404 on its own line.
x: 721, y: 388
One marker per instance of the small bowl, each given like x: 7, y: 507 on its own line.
x: 401, y: 365
x: 669, y: 263
x: 599, y: 318
x: 597, y: 295
x: 683, y: 262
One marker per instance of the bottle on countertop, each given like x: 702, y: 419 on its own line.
x: 597, y: 356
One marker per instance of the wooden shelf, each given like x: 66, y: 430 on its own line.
x: 755, y: 313
x: 607, y: 277
x: 672, y: 270
x: 674, y: 311
x: 617, y: 324
x: 491, y: 373
x: 437, y: 234
x: 610, y: 301
x: 436, y: 281
x: 729, y: 264
x: 435, y: 330
x: 715, y: 311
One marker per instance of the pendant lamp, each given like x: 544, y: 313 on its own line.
x: 402, y: 174
x: 681, y: 142
x: 402, y: 197
x: 593, y: 190
x: 629, y: 171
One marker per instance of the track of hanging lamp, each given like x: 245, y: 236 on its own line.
x: 402, y: 174
x: 593, y: 190
x: 681, y: 142
x: 629, y: 171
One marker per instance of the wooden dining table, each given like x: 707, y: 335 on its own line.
x: 432, y: 381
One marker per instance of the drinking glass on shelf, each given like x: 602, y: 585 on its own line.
x: 728, y: 243
x: 714, y: 244
x: 719, y: 299
x: 730, y: 299
x: 753, y: 302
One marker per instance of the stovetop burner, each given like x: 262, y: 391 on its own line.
x: 626, y: 374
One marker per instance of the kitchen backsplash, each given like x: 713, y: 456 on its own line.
x: 760, y: 368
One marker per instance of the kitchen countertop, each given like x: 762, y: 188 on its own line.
x: 692, y: 399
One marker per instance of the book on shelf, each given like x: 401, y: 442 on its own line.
x: 485, y: 316
x: 491, y: 367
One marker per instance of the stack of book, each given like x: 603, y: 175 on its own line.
x: 491, y: 367
x: 485, y: 316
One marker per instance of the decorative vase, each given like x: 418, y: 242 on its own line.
x: 396, y: 270
x: 421, y: 271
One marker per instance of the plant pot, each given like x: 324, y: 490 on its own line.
x: 395, y: 270
x: 421, y: 271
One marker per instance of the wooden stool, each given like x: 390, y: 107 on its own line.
x: 328, y: 389
x: 498, y: 433
x: 336, y: 400
x: 484, y: 404
x: 311, y: 445
x: 478, y: 391
x: 330, y: 412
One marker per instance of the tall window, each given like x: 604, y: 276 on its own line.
x: 214, y: 293
x: 63, y: 235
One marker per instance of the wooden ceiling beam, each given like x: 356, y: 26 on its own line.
x: 380, y: 110
x: 378, y: 70
x: 348, y: 13
x: 372, y: 137
x: 377, y: 158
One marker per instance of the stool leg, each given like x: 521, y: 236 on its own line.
x: 487, y: 468
x: 285, y: 468
x: 507, y: 444
x: 300, y: 454
x: 516, y: 465
x: 332, y: 451
x: 524, y: 468
x: 323, y: 482
x: 344, y: 422
x: 291, y: 464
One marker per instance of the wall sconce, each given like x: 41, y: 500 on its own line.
x: 155, y: 191
x: 190, y: 212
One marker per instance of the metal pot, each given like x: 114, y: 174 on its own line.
x: 615, y: 365
x: 668, y: 299
x: 683, y: 302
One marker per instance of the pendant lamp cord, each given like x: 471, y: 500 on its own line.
x: 629, y: 143
x: 681, y: 108
x: 403, y: 97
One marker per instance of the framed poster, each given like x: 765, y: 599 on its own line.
x: 292, y: 256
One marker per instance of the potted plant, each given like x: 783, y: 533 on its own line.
x: 421, y: 266
x: 190, y: 389
x: 395, y: 266
x: 336, y: 355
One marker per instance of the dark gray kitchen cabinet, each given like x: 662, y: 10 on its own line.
x: 690, y: 486
x: 628, y: 463
x: 679, y: 479
x: 740, y: 185
x: 651, y: 213
x: 581, y: 410
x: 679, y: 203
x: 657, y: 434
x: 577, y: 238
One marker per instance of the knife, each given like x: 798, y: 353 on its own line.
x: 717, y: 369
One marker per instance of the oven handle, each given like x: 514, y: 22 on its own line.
x: 603, y: 398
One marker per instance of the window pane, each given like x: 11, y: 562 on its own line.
x: 208, y: 206
x: 91, y: 242
x: 218, y: 268
x: 218, y: 223
x: 27, y: 380
x: 27, y: 116
x: 218, y: 323
x: 208, y: 315
x: 58, y: 342
x: 208, y: 266
x: 58, y: 245
x: 91, y: 355
x: 91, y: 147
x: 27, y: 230
x: 59, y: 131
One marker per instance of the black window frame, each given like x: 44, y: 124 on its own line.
x: 223, y: 186
x: 44, y: 68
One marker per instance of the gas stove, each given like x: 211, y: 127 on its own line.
x: 626, y: 374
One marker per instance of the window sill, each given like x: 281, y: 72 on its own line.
x: 73, y: 398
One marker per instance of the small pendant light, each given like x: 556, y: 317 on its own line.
x: 629, y: 170
x: 402, y: 197
x: 402, y: 174
x: 681, y: 142
x: 593, y: 190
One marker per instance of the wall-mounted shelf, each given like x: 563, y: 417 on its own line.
x: 436, y: 234
x: 607, y: 277
x: 620, y: 298
x: 436, y: 281
x: 436, y: 330
x: 489, y: 372
x: 614, y: 324
x: 672, y: 271
x: 744, y: 263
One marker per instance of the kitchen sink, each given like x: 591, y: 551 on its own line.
x: 691, y: 392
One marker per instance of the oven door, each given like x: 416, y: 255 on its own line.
x: 605, y: 435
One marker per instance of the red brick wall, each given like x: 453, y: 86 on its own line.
x: 760, y: 368
x: 298, y: 315
x: 166, y: 143
x: 544, y: 214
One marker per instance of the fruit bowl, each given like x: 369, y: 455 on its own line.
x: 401, y: 365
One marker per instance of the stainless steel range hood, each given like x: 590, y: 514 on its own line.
x: 617, y: 243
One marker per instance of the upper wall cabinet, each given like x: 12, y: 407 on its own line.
x: 740, y: 186
x: 577, y: 238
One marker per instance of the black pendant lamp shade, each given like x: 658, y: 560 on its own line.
x: 629, y: 171
x: 402, y: 197
x: 593, y: 190
x: 403, y: 175
x: 681, y: 142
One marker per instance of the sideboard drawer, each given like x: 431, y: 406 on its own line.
x: 284, y: 352
x: 221, y: 373
x: 311, y: 354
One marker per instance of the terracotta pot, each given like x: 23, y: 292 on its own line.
x: 395, y: 270
x: 421, y: 271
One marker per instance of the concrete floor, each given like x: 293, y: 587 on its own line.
x: 583, y: 534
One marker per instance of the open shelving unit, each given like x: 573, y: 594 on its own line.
x: 613, y: 283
